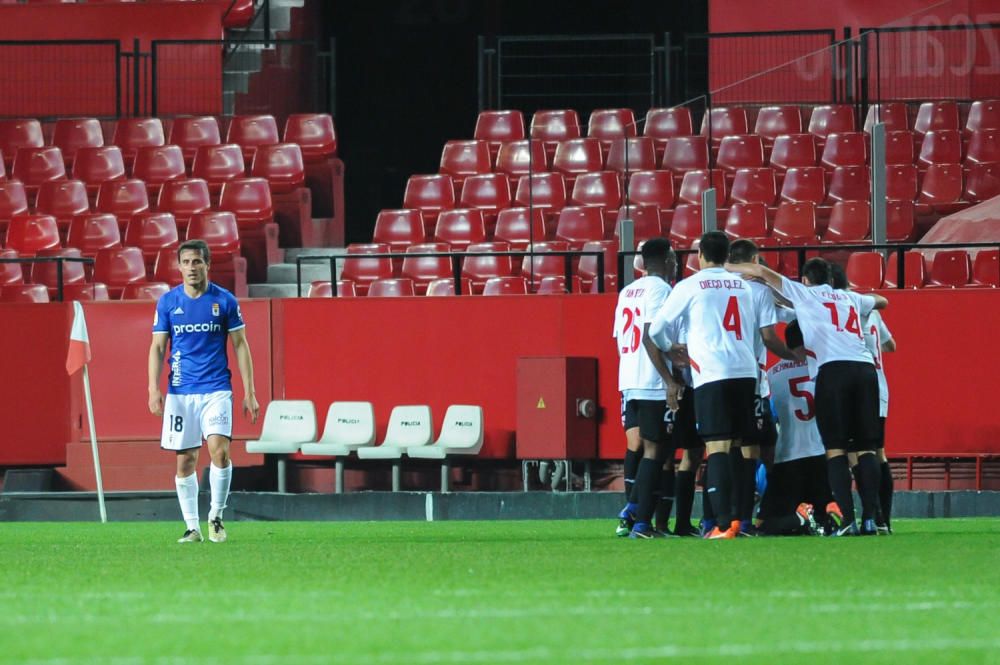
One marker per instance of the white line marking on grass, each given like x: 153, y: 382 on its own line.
x: 429, y: 507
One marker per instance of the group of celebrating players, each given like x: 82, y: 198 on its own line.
x: 693, y: 377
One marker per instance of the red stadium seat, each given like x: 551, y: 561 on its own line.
x: 144, y: 290
x: 686, y: 228
x: 639, y: 156
x: 691, y: 264
x: 71, y: 134
x: 685, y: 153
x: 892, y: 114
x: 740, y: 151
x: 490, y: 193
x: 460, y: 227
x: 984, y: 146
x: 552, y: 127
x: 63, y: 199
x: 576, y: 156
x: 399, y: 229
x: 556, y: 285
x: 252, y: 131
x: 793, y: 150
x: 542, y: 263
x: 446, y: 287
x: 430, y: 194
x: 986, y: 268
x: 901, y: 182
x: 747, y: 220
x: 281, y: 165
x: 645, y: 218
x: 609, y: 125
x: 117, y: 267
x: 218, y: 164
x: 982, y: 182
x: 795, y: 223
x: 844, y: 149
x: 579, y: 224
x: 516, y: 159
x: 983, y: 114
x: 545, y: 191
x: 723, y: 121
x: 131, y: 134
x: 321, y: 289
x: 184, y: 197
x: 933, y: 116
x: 850, y: 183
x: 941, y: 146
x: 942, y: 187
x: 191, y: 132
x: 94, y: 232
x: 696, y: 182
x: 48, y: 273
x: 363, y: 271
x: 16, y: 134
x: 899, y: 147
x: 24, y: 293
x: 865, y: 270
x: 10, y: 273
x: 151, y: 232
x: 33, y: 166
x: 166, y: 269
x: 155, y: 165
x: 520, y: 226
x: 663, y: 124
x: 3, y: 168
x: 849, y: 222
x: 499, y: 127
x: 392, y: 288
x: 653, y: 188
x: 220, y: 231
x: 806, y: 183
x: 249, y: 199
x: 315, y: 134
x: 29, y: 234
x: 754, y: 185
x: 123, y: 198
x: 425, y: 269
x: 97, y: 165
x: 506, y: 286
x: 85, y: 291
x: 461, y: 159
x: 950, y: 268
x: 831, y: 119
x: 900, y: 224
x: 773, y: 121
x: 13, y: 201
x: 479, y: 269
x: 602, y: 189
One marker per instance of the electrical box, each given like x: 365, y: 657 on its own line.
x: 556, y: 408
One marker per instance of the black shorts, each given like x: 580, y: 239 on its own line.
x: 847, y: 405
x: 681, y: 425
x: 796, y: 481
x: 647, y: 415
x: 765, y: 433
x: 724, y: 409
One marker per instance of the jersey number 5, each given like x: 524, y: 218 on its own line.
x: 731, y: 319
x: 794, y: 387
x: 630, y: 327
x: 853, y: 323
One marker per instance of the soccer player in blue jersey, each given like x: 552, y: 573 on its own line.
x: 197, y: 318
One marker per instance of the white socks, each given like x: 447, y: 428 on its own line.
x: 219, y: 480
x: 187, y: 495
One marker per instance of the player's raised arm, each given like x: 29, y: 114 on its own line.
x: 881, y: 302
x: 757, y: 271
x: 777, y: 346
x: 242, y: 349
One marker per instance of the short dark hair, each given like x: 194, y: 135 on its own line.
x: 195, y: 244
x: 838, y: 276
x: 817, y: 271
x: 655, y: 249
x: 743, y: 251
x: 793, y: 335
x: 714, y: 246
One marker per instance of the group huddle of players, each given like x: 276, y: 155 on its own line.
x: 693, y: 377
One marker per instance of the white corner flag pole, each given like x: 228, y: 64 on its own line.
x: 77, y: 358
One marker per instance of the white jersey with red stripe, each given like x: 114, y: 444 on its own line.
x: 831, y: 321
x: 637, y: 303
x: 792, y: 396
x: 763, y: 299
x: 716, y: 307
x: 877, y: 334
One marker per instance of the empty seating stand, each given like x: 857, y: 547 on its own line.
x: 349, y: 426
x: 408, y: 428
x: 288, y: 424
x: 461, y: 434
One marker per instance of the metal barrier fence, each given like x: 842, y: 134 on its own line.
x: 58, y: 260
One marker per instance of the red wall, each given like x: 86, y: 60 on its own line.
x: 440, y: 351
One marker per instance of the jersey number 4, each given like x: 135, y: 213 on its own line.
x: 731, y: 319
x: 630, y: 346
x: 853, y: 323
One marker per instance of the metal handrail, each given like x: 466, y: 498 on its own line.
x: 58, y: 260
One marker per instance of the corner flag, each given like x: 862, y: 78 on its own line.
x: 79, y: 343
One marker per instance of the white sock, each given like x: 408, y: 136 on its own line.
x: 187, y: 495
x: 218, y: 480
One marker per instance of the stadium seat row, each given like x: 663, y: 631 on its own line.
x: 290, y: 427
x: 945, y: 269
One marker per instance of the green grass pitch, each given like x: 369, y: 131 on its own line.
x: 494, y: 592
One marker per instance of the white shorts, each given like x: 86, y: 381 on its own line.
x: 187, y: 419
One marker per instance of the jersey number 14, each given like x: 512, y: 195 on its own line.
x: 853, y: 324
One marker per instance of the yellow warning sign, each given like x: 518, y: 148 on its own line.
x: 541, y: 403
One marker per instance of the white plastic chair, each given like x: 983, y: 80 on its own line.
x: 287, y: 425
x: 349, y: 426
x: 409, y: 427
x: 461, y: 434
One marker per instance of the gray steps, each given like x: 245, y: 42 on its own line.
x: 281, y: 276
x: 275, y: 290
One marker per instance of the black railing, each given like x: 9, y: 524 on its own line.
x: 58, y: 260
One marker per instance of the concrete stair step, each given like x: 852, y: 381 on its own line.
x: 285, y: 273
x: 275, y: 290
